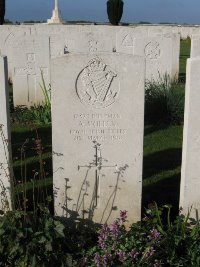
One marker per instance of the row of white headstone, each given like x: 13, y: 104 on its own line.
x: 97, y: 125
x: 30, y: 48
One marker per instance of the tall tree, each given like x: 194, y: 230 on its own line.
x: 2, y: 11
x: 115, y: 11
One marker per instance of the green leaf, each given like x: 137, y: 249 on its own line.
x: 48, y: 246
x: 33, y: 261
x: 59, y: 228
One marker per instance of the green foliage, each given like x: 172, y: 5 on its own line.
x: 29, y: 240
x: 164, y: 102
x: 39, y: 114
x: 155, y: 241
x: 47, y: 98
x: 115, y: 11
x: 185, y: 47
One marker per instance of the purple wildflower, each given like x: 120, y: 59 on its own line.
x: 103, y: 236
x: 115, y: 228
x: 97, y: 259
x: 150, y: 252
x: 154, y: 234
x: 123, y: 215
x: 133, y: 254
x: 122, y: 255
x: 106, y: 259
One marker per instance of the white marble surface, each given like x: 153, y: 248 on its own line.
x: 98, y: 98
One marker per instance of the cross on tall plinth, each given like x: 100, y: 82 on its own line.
x: 97, y: 165
x: 56, y: 15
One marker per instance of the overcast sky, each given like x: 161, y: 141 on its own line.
x: 155, y: 11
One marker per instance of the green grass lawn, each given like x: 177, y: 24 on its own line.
x: 184, y: 54
x: 162, y: 165
x: 162, y: 155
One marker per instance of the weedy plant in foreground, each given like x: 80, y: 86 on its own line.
x: 30, y: 237
x: 150, y: 242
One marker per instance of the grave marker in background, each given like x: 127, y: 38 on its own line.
x: 161, y: 53
x: 190, y: 173
x: 97, y: 123
x: 31, y: 56
x: 195, y: 46
x: 5, y: 149
x: 9, y: 36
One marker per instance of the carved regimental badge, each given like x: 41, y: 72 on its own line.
x: 97, y: 84
x: 152, y: 50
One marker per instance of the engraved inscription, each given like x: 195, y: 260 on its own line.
x: 127, y: 41
x: 97, y: 127
x: 95, y: 84
x: 30, y: 57
x: 152, y: 50
x: 93, y: 45
x: 30, y: 68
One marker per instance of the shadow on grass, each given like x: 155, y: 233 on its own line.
x: 163, y: 192
x: 24, y: 141
x: 154, y: 128
x: 160, y: 161
x: 182, y: 78
x: 29, y: 132
x: 30, y: 168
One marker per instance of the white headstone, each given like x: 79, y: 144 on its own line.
x: 195, y: 46
x: 78, y: 38
x: 190, y: 173
x: 31, y: 57
x: 90, y: 39
x: 56, y: 33
x: 125, y: 40
x: 5, y: 150
x: 160, y: 50
x: 97, y: 123
x: 161, y: 53
x: 9, y: 36
x: 186, y: 32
